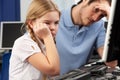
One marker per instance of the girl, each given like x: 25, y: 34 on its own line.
x: 34, y: 55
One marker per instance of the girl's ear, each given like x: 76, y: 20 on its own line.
x: 30, y: 23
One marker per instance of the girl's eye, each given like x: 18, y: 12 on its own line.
x: 47, y: 23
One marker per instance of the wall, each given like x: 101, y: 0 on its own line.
x: 61, y: 4
x: 23, y: 10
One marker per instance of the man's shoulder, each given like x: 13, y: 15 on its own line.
x: 67, y: 10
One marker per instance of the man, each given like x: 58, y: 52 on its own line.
x: 80, y: 30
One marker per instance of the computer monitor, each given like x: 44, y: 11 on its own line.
x: 9, y: 32
x: 112, y: 42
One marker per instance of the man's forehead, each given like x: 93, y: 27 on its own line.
x: 101, y: 2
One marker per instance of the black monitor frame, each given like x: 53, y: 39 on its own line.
x: 9, y: 32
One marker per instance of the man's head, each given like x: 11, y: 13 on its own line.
x: 90, y: 1
x: 90, y: 11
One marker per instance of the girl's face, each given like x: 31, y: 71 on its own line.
x: 51, y: 19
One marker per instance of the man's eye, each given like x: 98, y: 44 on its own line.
x: 96, y: 10
x: 101, y: 16
x: 57, y: 22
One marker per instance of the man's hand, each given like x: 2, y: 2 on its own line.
x: 112, y: 64
x: 105, y: 9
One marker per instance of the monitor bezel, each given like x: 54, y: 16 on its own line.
x: 108, y: 31
x: 1, y: 33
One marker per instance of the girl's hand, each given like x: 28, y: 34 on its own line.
x: 41, y: 30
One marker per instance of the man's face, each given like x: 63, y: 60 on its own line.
x: 92, y: 12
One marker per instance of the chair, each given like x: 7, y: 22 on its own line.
x: 5, y: 66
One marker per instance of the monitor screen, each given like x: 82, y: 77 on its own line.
x: 9, y: 32
x: 112, y: 41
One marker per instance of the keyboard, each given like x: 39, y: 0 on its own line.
x: 74, y: 75
x: 84, y: 73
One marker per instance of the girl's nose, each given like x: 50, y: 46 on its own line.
x: 53, y: 26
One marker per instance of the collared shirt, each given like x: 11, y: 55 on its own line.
x: 74, y: 45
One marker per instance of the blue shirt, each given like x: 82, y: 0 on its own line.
x: 74, y: 45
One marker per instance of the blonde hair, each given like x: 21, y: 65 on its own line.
x: 37, y: 9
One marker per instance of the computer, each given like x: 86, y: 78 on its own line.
x: 9, y: 32
x: 112, y: 42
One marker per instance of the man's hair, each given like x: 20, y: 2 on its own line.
x: 91, y: 1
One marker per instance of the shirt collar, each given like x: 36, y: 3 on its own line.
x: 68, y: 19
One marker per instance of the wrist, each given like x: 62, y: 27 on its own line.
x: 48, y: 38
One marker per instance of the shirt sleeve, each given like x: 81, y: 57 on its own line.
x: 101, y: 36
x: 25, y: 48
